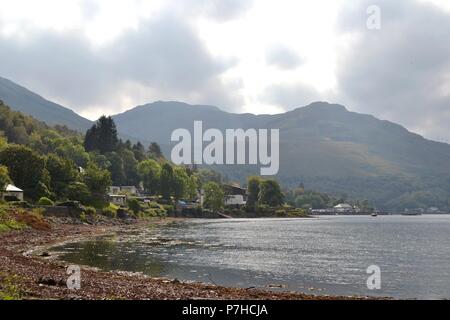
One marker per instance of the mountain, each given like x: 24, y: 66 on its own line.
x: 23, y: 100
x: 324, y: 146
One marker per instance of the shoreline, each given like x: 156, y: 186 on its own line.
x: 32, y: 273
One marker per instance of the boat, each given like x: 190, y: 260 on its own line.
x: 374, y: 214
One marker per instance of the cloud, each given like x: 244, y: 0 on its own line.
x: 163, y: 58
x: 224, y: 10
x: 283, y: 57
x: 400, y: 72
x: 290, y: 95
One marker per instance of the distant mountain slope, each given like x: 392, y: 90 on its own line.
x: 23, y: 100
x: 324, y: 146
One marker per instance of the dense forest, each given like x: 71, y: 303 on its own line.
x: 56, y: 164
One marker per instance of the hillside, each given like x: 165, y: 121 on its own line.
x: 324, y: 146
x: 21, y: 99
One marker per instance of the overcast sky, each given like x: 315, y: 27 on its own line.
x: 262, y: 56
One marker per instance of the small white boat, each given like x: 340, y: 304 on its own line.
x: 374, y: 214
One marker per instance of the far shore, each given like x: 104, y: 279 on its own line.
x: 28, y: 271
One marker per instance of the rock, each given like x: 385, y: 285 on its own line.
x: 51, y: 282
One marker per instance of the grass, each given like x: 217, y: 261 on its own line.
x: 17, y: 219
x: 9, y: 288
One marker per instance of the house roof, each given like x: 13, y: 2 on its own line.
x: 343, y: 205
x: 12, y: 188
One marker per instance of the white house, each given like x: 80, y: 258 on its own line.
x: 343, y: 208
x: 235, y: 195
x: 118, y: 199
x: 131, y: 190
x: 11, y: 191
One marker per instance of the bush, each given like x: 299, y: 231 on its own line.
x: 83, y: 217
x: 110, y: 211
x: 134, y: 205
x: 20, y: 204
x: 262, y: 208
x: 44, y: 201
x: 154, y: 205
x: 90, y: 211
x: 155, y: 212
x: 70, y: 204
x: 169, y: 208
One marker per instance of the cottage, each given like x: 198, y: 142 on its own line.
x: 130, y: 190
x: 118, y: 199
x: 11, y: 192
x: 343, y: 208
x: 235, y: 195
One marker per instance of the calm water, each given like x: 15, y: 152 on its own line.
x: 328, y: 255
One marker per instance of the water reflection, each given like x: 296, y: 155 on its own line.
x: 327, y: 255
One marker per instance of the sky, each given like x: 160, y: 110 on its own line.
x: 260, y: 56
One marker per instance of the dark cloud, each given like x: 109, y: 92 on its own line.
x: 400, y: 72
x: 57, y: 65
x: 283, y: 57
x: 163, y: 56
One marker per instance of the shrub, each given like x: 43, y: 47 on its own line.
x: 83, y: 217
x: 90, y: 211
x: 169, y: 208
x: 154, y: 205
x: 20, y: 204
x: 70, y: 204
x: 134, y: 205
x: 44, y: 201
x: 110, y: 212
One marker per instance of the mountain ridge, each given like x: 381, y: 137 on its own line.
x: 24, y: 100
x: 323, y: 146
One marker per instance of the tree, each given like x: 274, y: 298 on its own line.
x: 62, y: 173
x: 134, y: 205
x: 79, y: 191
x: 98, y: 181
x: 167, y: 181
x: 214, y: 196
x: 154, y: 151
x: 139, y: 152
x: 130, y: 168
x: 116, y: 168
x: 270, y: 193
x: 3, y: 140
x: 207, y: 175
x: 180, y: 182
x: 253, y: 191
x: 102, y: 136
x: 26, y: 168
x: 149, y: 172
x: 4, y: 177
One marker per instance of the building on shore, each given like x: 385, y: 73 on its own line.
x: 345, y: 208
x: 118, y: 199
x: 235, y: 195
x: 129, y: 190
x: 11, y: 192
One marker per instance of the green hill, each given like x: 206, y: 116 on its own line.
x: 324, y: 146
x: 21, y: 99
